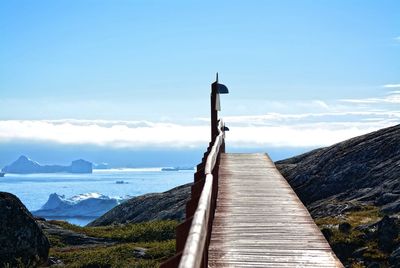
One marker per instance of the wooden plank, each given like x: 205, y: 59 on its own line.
x: 259, y: 220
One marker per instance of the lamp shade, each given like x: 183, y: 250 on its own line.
x: 222, y: 89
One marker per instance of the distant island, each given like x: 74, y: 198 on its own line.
x: 176, y: 168
x: 24, y: 165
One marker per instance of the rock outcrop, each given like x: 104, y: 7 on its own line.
x: 24, y: 165
x: 21, y: 239
x: 364, y: 170
x: 156, y: 206
x: 70, y: 237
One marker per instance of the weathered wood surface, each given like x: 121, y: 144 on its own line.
x: 259, y: 220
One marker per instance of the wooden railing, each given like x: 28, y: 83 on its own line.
x: 193, y: 235
x: 196, y: 247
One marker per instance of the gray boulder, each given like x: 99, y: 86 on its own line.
x: 388, y: 231
x: 22, y: 241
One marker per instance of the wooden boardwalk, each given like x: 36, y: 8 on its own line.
x: 259, y: 220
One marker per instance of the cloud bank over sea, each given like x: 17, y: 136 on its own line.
x: 268, y: 130
x: 293, y: 124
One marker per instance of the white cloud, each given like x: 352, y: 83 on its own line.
x: 305, y: 130
x: 311, y: 123
x: 268, y: 130
x: 314, y: 135
x: 391, y: 86
x: 277, y: 119
x: 113, y: 134
x: 322, y: 104
x: 364, y: 100
x: 393, y: 97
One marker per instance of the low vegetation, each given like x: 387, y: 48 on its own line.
x: 131, y: 245
x: 363, y: 215
x: 355, y: 237
x: 139, y: 232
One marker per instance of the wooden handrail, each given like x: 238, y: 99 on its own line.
x: 194, y: 234
x: 193, y: 253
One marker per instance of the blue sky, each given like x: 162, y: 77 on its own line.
x: 109, y: 73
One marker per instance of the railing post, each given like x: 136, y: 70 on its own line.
x: 214, y: 111
x: 223, y: 144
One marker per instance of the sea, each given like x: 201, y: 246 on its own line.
x: 34, y: 189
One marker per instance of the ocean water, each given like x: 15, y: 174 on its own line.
x: 34, y: 189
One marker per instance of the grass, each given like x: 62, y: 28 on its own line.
x: 19, y: 264
x: 365, y: 215
x: 373, y: 252
x: 120, y: 255
x: 345, y: 243
x: 137, y: 245
x: 56, y: 241
x: 139, y: 232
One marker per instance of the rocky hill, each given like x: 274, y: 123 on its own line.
x: 352, y: 190
x: 169, y: 205
x: 364, y: 170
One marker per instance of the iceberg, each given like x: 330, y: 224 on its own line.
x: 101, y: 166
x: 82, y: 205
x: 24, y: 165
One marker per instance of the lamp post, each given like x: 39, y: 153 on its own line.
x: 216, y: 89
